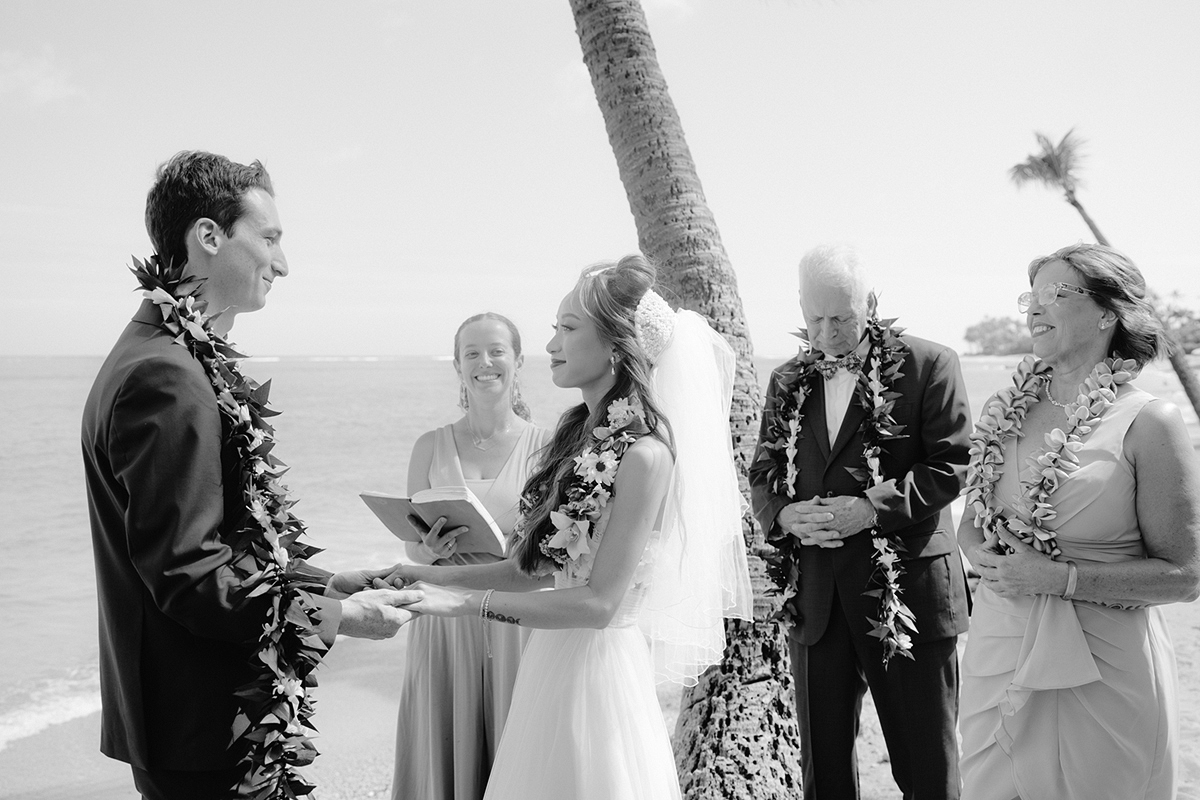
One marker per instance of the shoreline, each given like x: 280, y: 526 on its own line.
x: 357, y: 698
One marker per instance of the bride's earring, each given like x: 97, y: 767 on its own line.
x: 612, y: 364
x: 462, y: 397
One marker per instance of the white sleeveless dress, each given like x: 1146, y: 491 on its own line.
x: 585, y: 723
x: 1068, y: 700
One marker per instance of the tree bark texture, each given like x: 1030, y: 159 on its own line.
x: 737, y: 736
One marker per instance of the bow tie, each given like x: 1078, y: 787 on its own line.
x: 852, y: 363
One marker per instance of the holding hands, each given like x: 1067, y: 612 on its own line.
x: 435, y: 599
x: 377, y: 613
x: 370, y: 613
x: 344, y: 584
x: 826, y: 521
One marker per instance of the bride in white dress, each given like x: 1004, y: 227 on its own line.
x: 634, y: 511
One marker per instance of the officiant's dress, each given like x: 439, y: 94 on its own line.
x: 1066, y: 700
x: 585, y: 723
x: 454, y: 699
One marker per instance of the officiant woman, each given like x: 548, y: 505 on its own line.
x: 455, y: 699
x: 1082, y: 518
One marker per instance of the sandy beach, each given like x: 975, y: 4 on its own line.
x: 356, y: 714
x: 359, y: 693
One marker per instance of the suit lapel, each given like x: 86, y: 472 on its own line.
x: 814, y: 409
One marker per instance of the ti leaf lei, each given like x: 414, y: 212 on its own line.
x: 1048, y: 466
x: 272, y: 725
x: 881, y: 368
x: 590, y: 488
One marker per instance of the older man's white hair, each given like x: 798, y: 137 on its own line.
x: 836, y: 265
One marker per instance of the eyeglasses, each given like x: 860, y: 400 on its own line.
x: 1048, y: 295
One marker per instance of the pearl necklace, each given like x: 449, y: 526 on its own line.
x: 1050, y: 397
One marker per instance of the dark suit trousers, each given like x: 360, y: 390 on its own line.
x: 173, y: 784
x: 917, y: 703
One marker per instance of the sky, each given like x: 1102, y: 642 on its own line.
x: 436, y: 159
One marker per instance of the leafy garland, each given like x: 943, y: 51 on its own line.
x: 272, y: 724
x: 1047, y: 467
x: 881, y: 368
x: 589, y: 490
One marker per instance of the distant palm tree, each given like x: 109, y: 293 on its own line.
x: 737, y: 735
x: 1056, y: 167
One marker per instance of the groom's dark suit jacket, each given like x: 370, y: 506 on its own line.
x: 929, y: 467
x: 173, y: 646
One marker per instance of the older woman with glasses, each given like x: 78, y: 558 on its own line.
x: 1083, y: 517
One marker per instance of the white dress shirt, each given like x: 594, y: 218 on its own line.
x: 838, y: 391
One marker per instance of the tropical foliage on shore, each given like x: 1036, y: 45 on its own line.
x: 998, y: 336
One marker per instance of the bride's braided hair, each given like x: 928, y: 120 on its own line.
x: 609, y: 293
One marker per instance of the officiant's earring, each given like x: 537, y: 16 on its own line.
x: 516, y: 391
x: 1105, y: 325
x: 462, y: 397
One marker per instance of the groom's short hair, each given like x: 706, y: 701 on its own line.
x: 194, y: 184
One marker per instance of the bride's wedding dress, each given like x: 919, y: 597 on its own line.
x: 585, y: 723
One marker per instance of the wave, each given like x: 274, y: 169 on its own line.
x: 52, y: 701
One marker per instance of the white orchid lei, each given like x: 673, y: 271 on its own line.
x: 1046, y: 468
x: 590, y: 490
x: 881, y: 368
x: 272, y: 725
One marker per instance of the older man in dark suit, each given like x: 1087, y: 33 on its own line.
x: 177, y: 634
x: 823, y: 509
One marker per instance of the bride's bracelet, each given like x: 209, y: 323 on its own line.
x: 485, y: 616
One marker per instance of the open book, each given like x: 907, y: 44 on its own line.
x: 456, y: 503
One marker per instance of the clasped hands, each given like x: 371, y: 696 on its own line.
x: 371, y: 610
x: 826, y: 521
x: 1020, y: 570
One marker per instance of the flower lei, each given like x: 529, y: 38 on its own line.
x: 274, y: 708
x: 590, y: 489
x: 881, y: 368
x: 1048, y: 467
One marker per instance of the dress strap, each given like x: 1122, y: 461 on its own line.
x: 445, y: 469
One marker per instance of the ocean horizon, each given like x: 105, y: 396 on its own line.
x: 347, y: 425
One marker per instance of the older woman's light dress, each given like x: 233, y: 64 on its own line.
x: 454, y: 699
x: 585, y: 723
x: 1067, y: 700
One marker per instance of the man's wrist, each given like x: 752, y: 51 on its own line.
x: 870, y: 514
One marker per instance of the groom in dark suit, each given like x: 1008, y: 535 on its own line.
x: 830, y: 513
x: 176, y: 639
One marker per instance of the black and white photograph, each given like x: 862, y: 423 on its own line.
x: 599, y: 400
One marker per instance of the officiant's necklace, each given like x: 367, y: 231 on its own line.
x: 485, y: 443
x: 1047, y: 467
x: 873, y: 391
x: 272, y: 725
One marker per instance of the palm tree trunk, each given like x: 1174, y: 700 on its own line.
x: 1183, y: 371
x: 1087, y: 220
x: 736, y: 736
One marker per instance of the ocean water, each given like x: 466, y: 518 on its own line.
x: 347, y: 425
